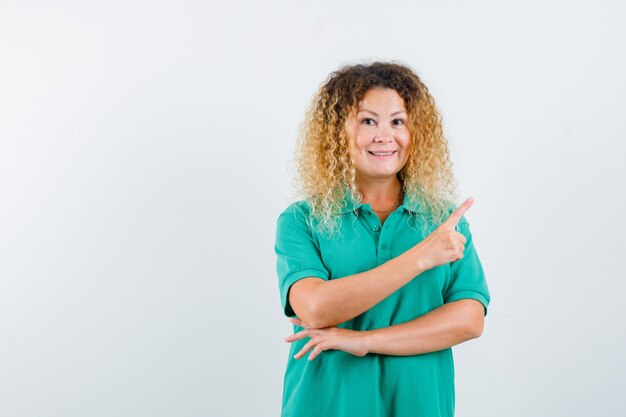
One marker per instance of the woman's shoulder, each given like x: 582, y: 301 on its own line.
x: 296, y: 216
x: 299, y: 209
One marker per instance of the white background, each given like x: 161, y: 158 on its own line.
x: 146, y: 151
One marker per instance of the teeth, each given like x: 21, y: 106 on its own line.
x: 382, y: 153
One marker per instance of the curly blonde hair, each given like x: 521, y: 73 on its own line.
x: 327, y: 174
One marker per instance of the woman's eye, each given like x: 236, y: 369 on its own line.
x: 398, y: 122
x: 368, y: 121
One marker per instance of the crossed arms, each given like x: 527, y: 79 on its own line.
x: 321, y: 304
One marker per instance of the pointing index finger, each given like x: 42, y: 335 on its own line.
x: 456, y: 215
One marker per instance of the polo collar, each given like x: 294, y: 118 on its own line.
x: 351, y: 204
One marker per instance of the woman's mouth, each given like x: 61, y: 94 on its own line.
x: 383, y: 155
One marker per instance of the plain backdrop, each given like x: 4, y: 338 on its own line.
x: 146, y: 151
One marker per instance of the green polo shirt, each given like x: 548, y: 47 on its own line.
x: 336, y: 383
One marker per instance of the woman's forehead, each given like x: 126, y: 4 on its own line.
x: 381, y: 98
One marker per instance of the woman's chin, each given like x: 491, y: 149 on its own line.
x: 380, y: 173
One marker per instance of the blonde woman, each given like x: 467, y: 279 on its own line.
x: 376, y: 265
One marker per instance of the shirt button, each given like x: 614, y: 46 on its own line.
x: 383, y: 246
x: 376, y: 228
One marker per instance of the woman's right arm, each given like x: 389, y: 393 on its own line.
x: 321, y: 303
x: 324, y: 303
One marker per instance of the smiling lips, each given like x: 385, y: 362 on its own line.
x: 382, y: 155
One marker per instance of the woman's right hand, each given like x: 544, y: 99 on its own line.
x: 445, y: 244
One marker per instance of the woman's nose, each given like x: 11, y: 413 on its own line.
x: 383, y: 135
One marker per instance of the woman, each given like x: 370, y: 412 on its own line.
x: 376, y: 266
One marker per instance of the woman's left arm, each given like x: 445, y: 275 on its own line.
x: 441, y: 328
x: 452, y: 323
x: 459, y: 319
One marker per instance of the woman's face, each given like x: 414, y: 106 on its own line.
x: 380, y: 139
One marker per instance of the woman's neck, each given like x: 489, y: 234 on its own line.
x: 380, y: 192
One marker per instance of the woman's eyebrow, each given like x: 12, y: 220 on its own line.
x: 376, y: 114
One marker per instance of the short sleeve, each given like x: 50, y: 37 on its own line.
x: 467, y: 279
x: 297, y: 254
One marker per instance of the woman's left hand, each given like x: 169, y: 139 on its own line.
x: 351, y: 341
